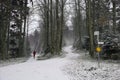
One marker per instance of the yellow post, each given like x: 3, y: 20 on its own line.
x: 98, y: 49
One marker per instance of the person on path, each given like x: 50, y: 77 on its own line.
x: 34, y: 53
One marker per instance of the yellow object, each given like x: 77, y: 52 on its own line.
x: 98, y: 49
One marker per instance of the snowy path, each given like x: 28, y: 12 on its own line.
x: 50, y: 69
x: 73, y: 66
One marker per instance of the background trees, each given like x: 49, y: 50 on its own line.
x: 4, y: 15
x: 85, y: 16
x: 52, y: 15
x: 100, y: 16
x: 13, y: 27
x: 77, y: 24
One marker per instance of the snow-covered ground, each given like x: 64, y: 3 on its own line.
x: 83, y: 67
x: 73, y: 66
x: 13, y: 61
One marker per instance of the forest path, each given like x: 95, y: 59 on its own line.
x: 50, y: 69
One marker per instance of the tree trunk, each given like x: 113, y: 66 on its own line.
x: 90, y: 27
x: 114, y: 16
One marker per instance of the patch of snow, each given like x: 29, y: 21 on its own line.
x: 84, y: 68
